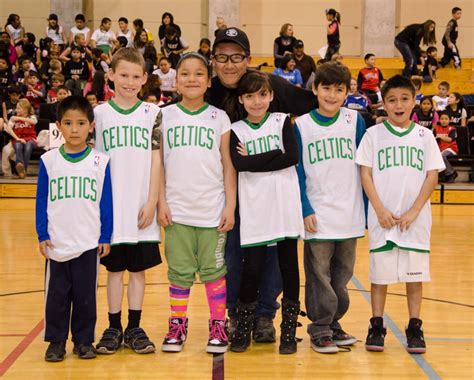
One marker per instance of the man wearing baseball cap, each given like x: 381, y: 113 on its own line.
x: 231, y: 60
x: 304, y: 63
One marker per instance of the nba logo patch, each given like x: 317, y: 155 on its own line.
x: 348, y: 118
x: 278, y: 118
x: 147, y: 108
x: 214, y: 114
x: 421, y: 132
x: 96, y: 161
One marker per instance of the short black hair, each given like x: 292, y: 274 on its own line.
x: 444, y: 112
x: 455, y: 9
x: 444, y: 84
x: 332, y: 73
x: 431, y: 49
x: 77, y: 103
x: 138, y: 22
x: 123, y: 19
x: 105, y: 20
x: 80, y: 17
x: 33, y: 73
x: 368, y: 55
x: 13, y: 89
x: 398, y: 81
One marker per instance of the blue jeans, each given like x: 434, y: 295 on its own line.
x: 23, y: 152
x: 271, y: 284
x: 408, y: 57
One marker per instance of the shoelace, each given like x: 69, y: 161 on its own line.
x: 175, y: 332
x: 218, y: 332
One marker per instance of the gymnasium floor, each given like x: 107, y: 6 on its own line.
x: 448, y: 315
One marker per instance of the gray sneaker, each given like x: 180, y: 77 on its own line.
x: 263, y: 330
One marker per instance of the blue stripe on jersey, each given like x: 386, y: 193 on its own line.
x: 106, y: 209
x: 306, y: 205
x: 42, y: 203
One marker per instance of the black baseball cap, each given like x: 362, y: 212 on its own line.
x: 233, y: 35
x: 53, y: 16
x: 299, y: 44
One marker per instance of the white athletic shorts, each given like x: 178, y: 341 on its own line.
x: 398, y: 265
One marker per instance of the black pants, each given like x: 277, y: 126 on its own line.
x: 254, y: 264
x: 451, y: 54
x: 71, y: 283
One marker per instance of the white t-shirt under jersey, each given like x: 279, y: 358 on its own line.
x: 193, y: 165
x: 269, y: 202
x: 400, y: 159
x: 125, y: 136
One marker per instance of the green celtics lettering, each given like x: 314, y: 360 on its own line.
x: 72, y: 187
x: 402, y: 155
x: 263, y: 144
x: 190, y: 135
x: 122, y: 136
x: 329, y: 149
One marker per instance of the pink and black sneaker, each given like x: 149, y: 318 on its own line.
x: 174, y: 340
x: 218, y: 337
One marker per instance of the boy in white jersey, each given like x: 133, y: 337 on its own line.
x: 128, y: 130
x: 333, y: 208
x: 399, y: 163
x: 73, y: 180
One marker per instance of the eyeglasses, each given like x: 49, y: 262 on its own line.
x: 234, y: 58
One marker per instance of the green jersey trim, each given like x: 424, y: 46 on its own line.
x: 138, y: 242
x: 77, y: 159
x: 268, y: 242
x: 197, y: 112
x: 391, y: 245
x: 328, y: 240
x: 124, y: 111
x: 396, y: 133
x: 314, y: 116
x: 257, y: 126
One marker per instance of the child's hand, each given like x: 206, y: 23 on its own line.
x: 103, y: 250
x: 43, y: 245
x: 146, y: 214
x: 227, y: 220
x: 241, y: 149
x: 407, y: 219
x: 75, y: 76
x: 23, y: 141
x: 164, y: 215
x: 387, y: 219
x: 310, y: 223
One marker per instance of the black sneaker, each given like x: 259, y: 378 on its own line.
x: 415, y: 338
x: 138, y: 341
x: 55, y: 352
x: 84, y: 351
x: 263, y: 330
x: 376, y: 336
x: 324, y: 345
x: 341, y: 338
x: 110, y: 342
x: 232, y: 326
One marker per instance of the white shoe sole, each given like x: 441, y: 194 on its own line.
x: 325, y: 350
x: 172, y: 347
x: 216, y: 349
x: 146, y: 350
x: 374, y: 348
x: 346, y: 342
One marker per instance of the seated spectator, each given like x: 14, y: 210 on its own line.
x: 99, y: 62
x: 56, y: 32
x: 456, y: 111
x: 22, y: 128
x: 119, y: 43
x: 25, y: 66
x: 103, y: 37
x: 173, y: 45
x: 125, y: 31
x: 78, y: 43
x: 441, y: 99
x: 151, y: 86
x: 418, y: 95
x: 283, y: 44
x: 369, y: 78
x: 6, y: 77
x: 34, y: 90
x: 220, y: 24
x: 304, y: 63
x: 16, y: 31
x: 99, y: 87
x: 30, y: 49
x: 288, y: 70
x: 167, y: 77
x: 141, y: 40
x: 10, y: 102
x: 10, y: 49
x: 138, y: 24
x: 446, y: 136
x: 76, y: 71
x: 80, y: 28
x: 205, y: 49
x: 57, y: 80
x: 92, y: 99
x: 48, y: 69
x: 151, y: 59
x: 167, y: 19
x: 430, y: 66
x: 356, y: 100
x: 425, y: 115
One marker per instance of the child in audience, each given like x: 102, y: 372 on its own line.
x: 92, y: 99
x: 80, y: 28
x: 441, y: 100
x: 56, y: 32
x: 456, y: 111
x: 369, y: 78
x: 103, y: 37
x: 100, y: 87
x: 355, y: 100
x: 6, y: 77
x: 76, y: 71
x: 417, y: 82
x: 34, y: 90
x: 167, y: 78
x: 16, y: 31
x: 288, y: 70
x: 99, y: 62
x: 431, y: 65
x: 125, y: 31
x: 446, y: 135
x: 56, y: 81
x: 425, y: 115
x: 173, y: 45
x: 205, y: 49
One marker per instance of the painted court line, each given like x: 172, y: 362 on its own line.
x: 218, y: 367
x: 22, y: 346
x: 419, y: 359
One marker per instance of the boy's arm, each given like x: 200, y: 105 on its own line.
x: 428, y: 186
x: 308, y: 212
x: 106, y: 215
x: 42, y: 192
x: 164, y: 212
x: 4, y: 112
x: 230, y: 186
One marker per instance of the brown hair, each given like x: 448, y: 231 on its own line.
x: 429, y: 38
x: 127, y: 54
x: 284, y: 28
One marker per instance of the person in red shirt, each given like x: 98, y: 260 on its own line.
x: 33, y: 90
x: 446, y: 135
x: 369, y: 78
x: 22, y: 128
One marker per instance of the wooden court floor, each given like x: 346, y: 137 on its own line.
x: 448, y: 314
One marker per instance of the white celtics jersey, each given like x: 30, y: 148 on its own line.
x: 125, y: 136
x: 193, y: 168
x: 74, y: 193
x: 400, y: 160
x: 269, y: 202
x: 333, y: 182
